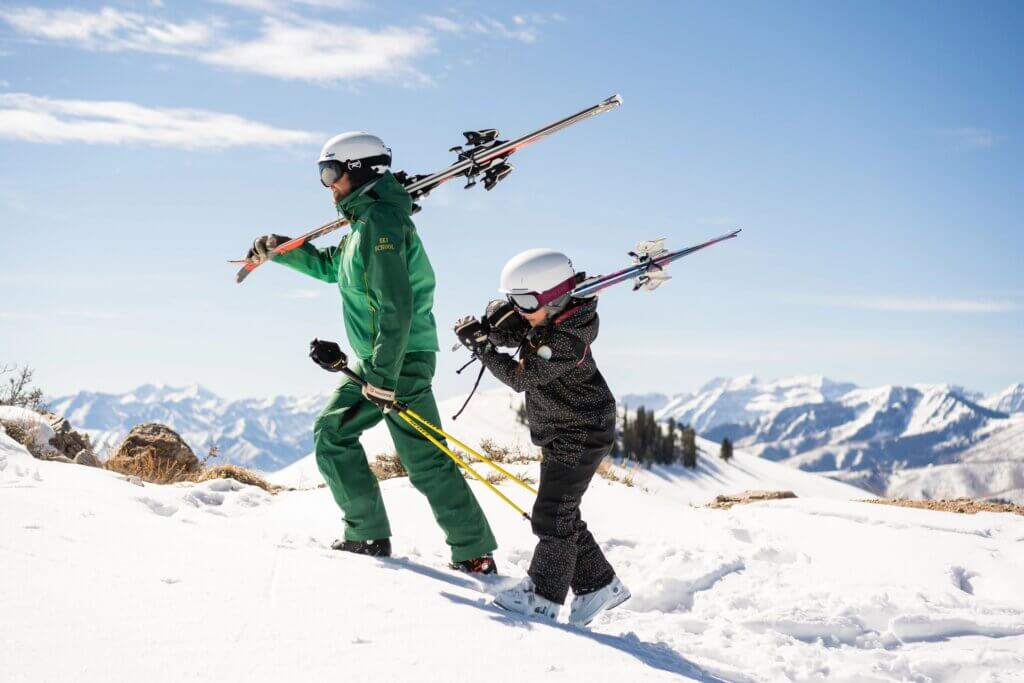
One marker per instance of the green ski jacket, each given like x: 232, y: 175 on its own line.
x: 385, y: 279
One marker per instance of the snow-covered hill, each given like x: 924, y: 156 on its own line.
x: 103, y: 580
x: 264, y: 434
x: 882, y: 438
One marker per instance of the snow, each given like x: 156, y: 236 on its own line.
x: 743, y: 472
x: 220, y: 581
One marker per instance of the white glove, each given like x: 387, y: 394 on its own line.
x: 382, y: 398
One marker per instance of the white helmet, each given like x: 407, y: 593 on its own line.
x: 536, y: 278
x: 354, y: 151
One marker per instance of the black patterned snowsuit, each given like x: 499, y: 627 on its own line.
x: 571, y: 413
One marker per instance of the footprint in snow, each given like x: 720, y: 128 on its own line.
x: 158, y: 507
x: 171, y: 582
x: 961, y: 578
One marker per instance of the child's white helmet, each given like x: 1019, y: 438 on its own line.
x: 536, y: 278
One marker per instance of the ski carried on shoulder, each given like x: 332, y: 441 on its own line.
x: 483, y: 157
x: 650, y: 258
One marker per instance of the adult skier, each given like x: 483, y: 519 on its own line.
x: 387, y: 290
x: 571, y: 414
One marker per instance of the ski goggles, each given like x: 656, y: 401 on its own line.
x: 531, y: 302
x: 331, y: 172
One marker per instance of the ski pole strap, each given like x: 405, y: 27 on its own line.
x: 404, y: 414
x: 416, y: 416
x: 472, y: 391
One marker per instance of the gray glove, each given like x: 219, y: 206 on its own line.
x: 263, y: 247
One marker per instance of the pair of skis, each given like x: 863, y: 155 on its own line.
x: 650, y: 258
x: 483, y: 157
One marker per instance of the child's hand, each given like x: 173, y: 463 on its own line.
x: 473, y: 334
x: 505, y: 326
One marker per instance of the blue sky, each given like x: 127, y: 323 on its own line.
x: 871, y: 152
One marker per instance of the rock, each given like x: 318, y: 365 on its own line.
x: 156, y: 453
x: 67, y: 441
x: 88, y: 458
x: 54, y: 456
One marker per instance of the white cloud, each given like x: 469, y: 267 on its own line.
x: 925, y: 305
x: 321, y: 51
x: 109, y: 29
x: 523, y: 27
x: 969, y: 137
x: 43, y: 119
x: 442, y: 23
x: 287, y: 47
x: 280, y: 6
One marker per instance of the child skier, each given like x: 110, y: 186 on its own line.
x: 571, y: 414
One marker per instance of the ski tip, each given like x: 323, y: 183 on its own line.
x: 614, y: 99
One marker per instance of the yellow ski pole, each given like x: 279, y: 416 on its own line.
x: 341, y: 365
x: 459, y: 461
x: 475, y: 454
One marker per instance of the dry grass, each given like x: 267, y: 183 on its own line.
x: 148, y: 466
x: 606, y: 470
x: 388, y: 466
x: 238, y: 474
x: 508, y: 455
x: 26, y: 437
x: 964, y: 506
x: 724, y: 502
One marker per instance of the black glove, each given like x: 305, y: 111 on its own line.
x: 473, y: 334
x: 262, y: 247
x: 328, y: 355
x: 505, y: 326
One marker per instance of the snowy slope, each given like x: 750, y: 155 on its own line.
x: 221, y: 582
x: 1009, y: 400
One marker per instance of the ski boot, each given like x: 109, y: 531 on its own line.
x: 586, y: 606
x: 377, y: 548
x: 478, y: 565
x: 523, y: 599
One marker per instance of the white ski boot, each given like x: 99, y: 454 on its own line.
x: 524, y: 600
x: 585, y: 607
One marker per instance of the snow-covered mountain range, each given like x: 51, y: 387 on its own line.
x: 264, y: 434
x: 917, y: 441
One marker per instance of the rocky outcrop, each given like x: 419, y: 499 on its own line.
x: 156, y: 453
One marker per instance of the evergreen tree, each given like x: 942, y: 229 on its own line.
x: 726, y: 451
x: 521, y: 413
x: 688, y: 437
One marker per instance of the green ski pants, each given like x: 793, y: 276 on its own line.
x: 342, y: 462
